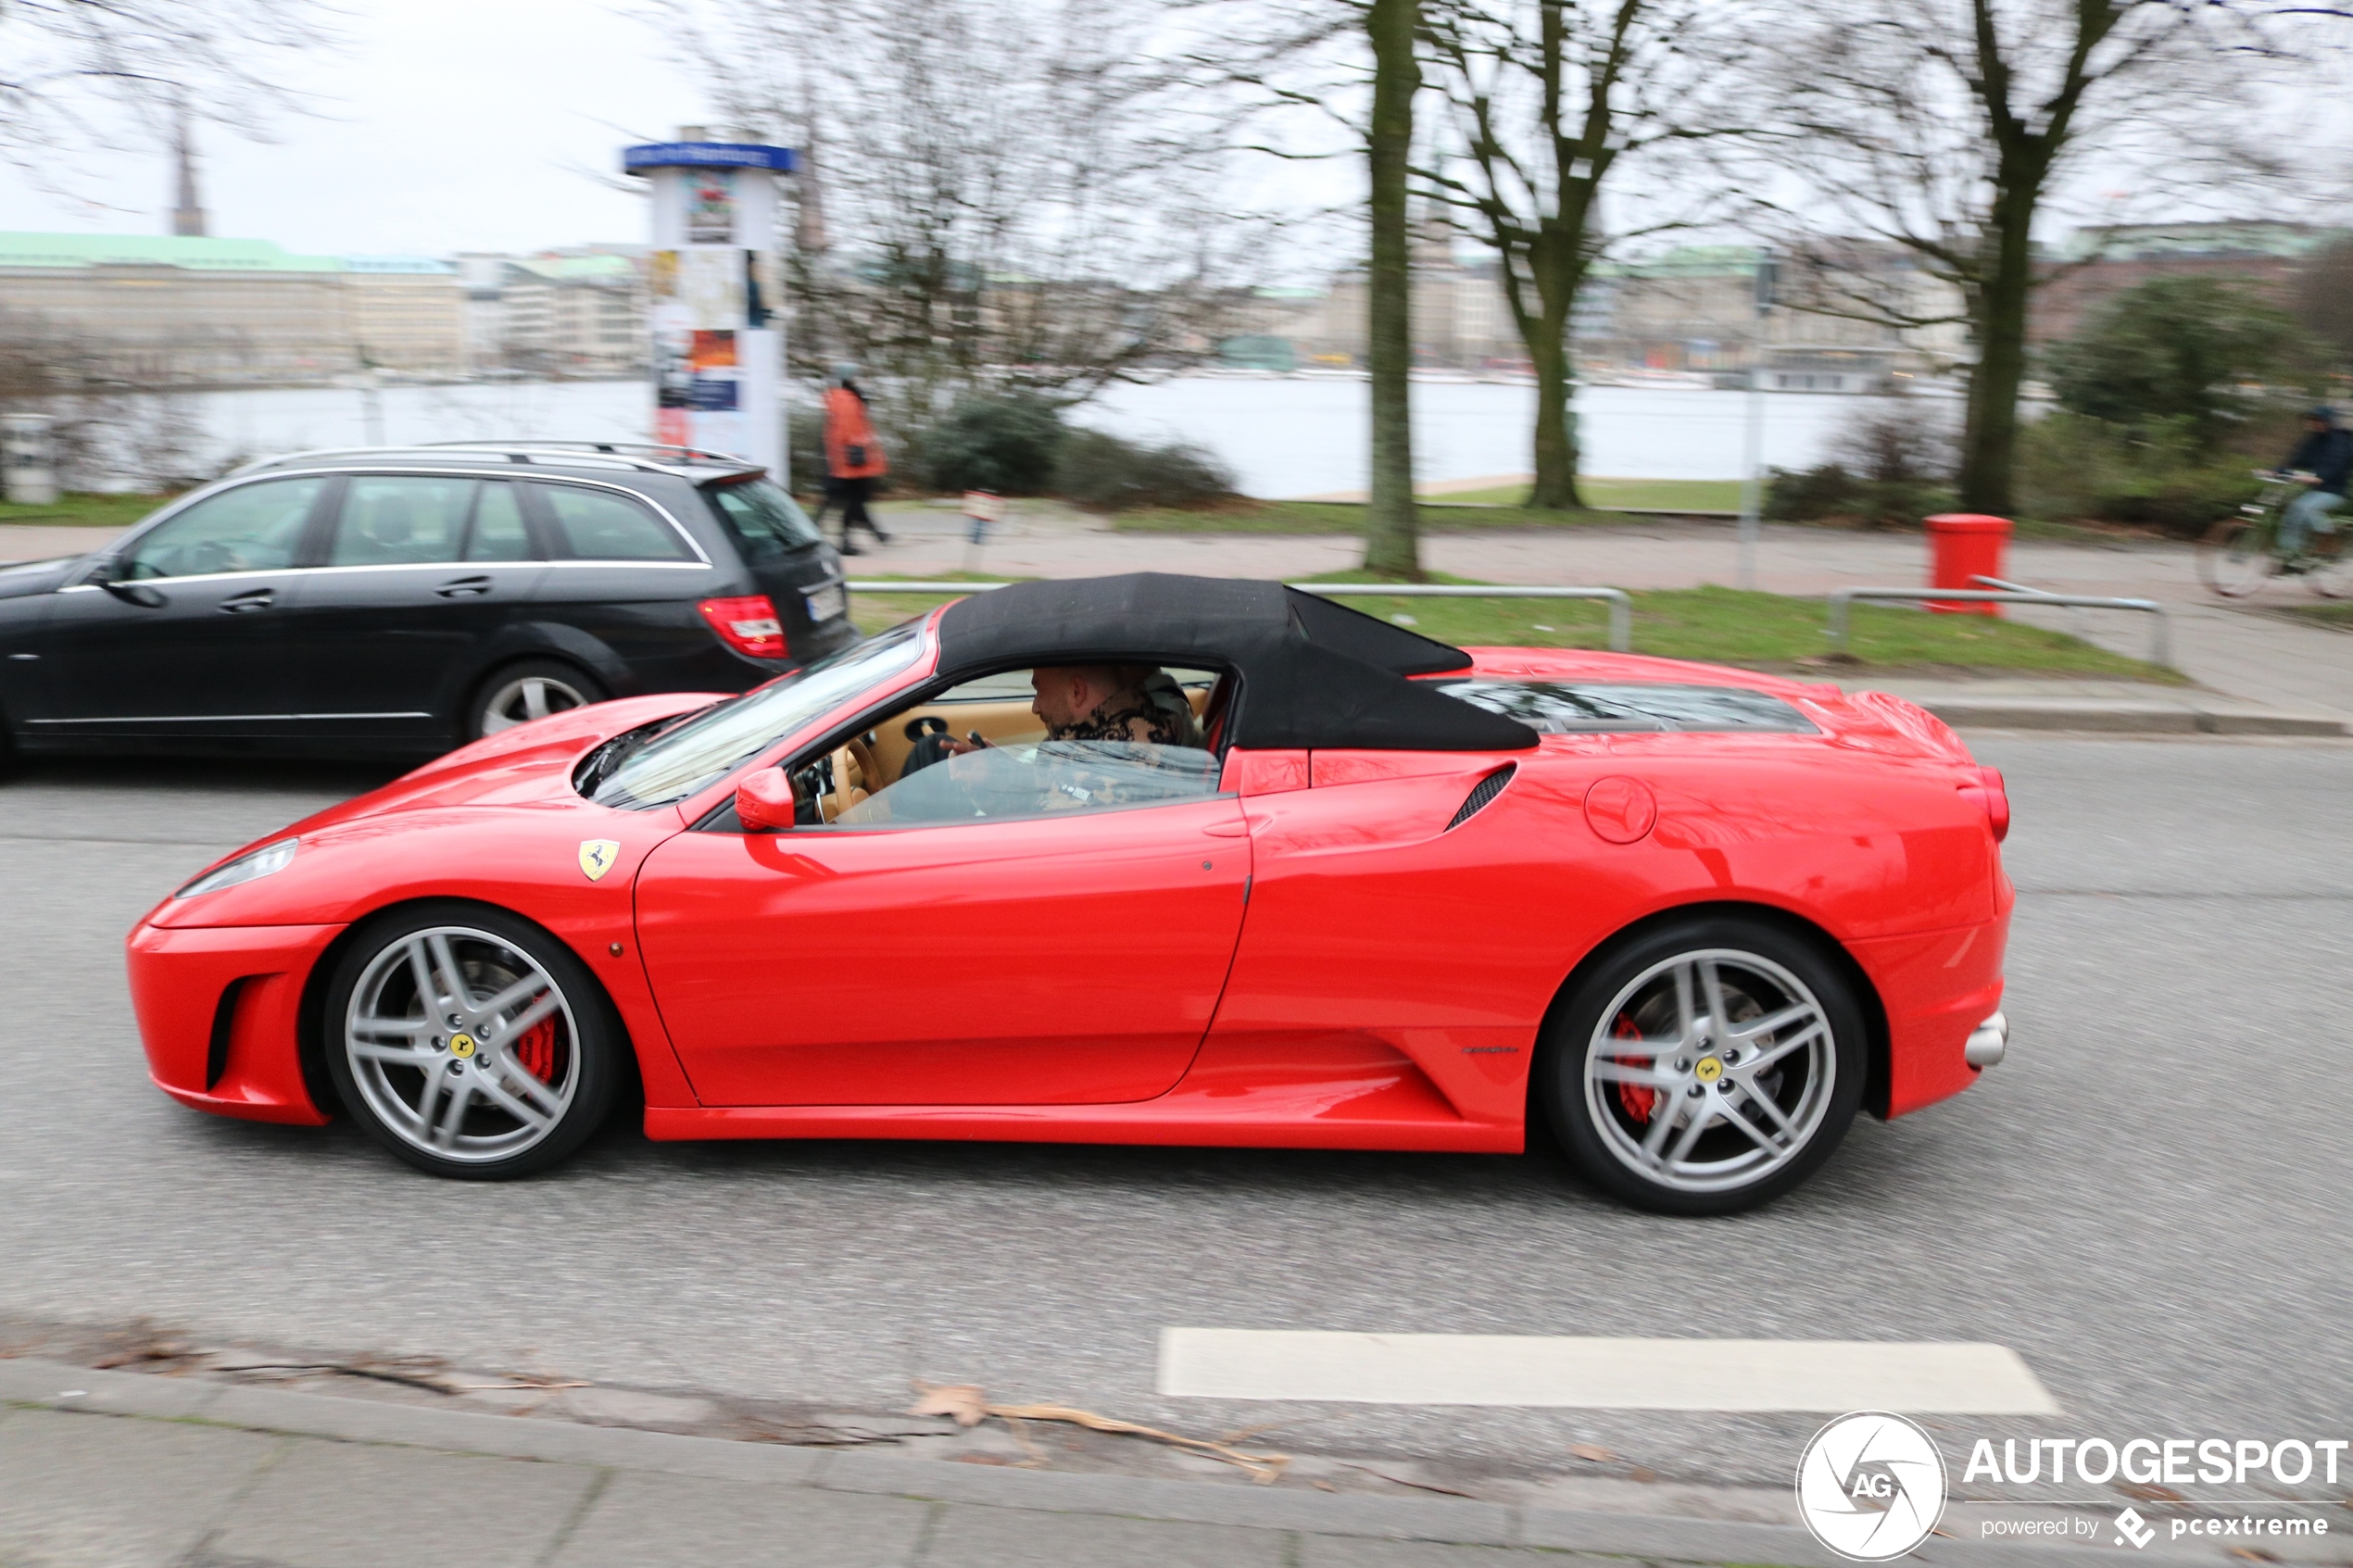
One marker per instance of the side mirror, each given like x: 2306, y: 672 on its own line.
x: 129, y: 593
x: 764, y: 801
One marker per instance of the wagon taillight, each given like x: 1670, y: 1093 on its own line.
x: 750, y: 625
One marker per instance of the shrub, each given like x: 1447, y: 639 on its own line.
x: 1097, y: 470
x: 1889, y: 468
x: 1004, y: 441
x: 2157, y: 473
x: 2181, y: 357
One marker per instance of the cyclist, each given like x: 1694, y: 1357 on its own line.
x: 2324, y: 461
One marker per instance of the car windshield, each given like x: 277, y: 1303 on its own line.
x: 672, y: 766
x: 764, y: 521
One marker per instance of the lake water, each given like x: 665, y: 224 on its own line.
x: 1281, y: 436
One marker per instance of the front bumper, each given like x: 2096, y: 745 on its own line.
x: 219, y: 1009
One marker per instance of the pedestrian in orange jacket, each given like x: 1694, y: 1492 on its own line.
x: 853, y: 460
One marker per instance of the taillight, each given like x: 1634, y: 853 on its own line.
x: 1993, y: 797
x: 747, y: 625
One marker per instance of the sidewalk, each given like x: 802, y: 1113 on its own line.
x: 133, y: 1470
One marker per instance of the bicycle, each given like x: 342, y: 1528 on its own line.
x: 2240, y: 552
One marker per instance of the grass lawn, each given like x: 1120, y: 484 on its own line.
x: 877, y: 612
x: 2338, y: 615
x: 1719, y: 625
x: 81, y: 509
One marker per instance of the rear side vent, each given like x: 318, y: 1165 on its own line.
x: 1481, y: 793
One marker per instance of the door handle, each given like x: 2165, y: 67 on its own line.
x: 464, y: 587
x: 260, y: 598
x: 1227, y: 830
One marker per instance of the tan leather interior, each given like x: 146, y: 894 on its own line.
x: 1000, y: 722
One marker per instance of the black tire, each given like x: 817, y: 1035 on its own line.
x: 400, y: 1079
x: 532, y: 688
x: 1621, y: 1020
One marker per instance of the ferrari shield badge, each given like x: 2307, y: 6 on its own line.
x: 597, y: 855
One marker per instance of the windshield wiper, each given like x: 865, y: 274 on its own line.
x: 603, y: 763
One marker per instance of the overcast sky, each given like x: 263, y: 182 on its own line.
x: 441, y: 125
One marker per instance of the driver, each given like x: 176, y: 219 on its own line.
x: 1136, y: 713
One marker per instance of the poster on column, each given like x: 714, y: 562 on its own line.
x: 713, y: 350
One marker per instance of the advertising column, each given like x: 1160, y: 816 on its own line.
x: 715, y: 290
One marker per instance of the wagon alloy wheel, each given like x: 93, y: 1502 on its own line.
x: 1710, y: 1072
x: 466, y: 1052
x: 524, y: 697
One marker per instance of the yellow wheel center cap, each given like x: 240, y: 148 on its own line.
x: 461, y: 1046
x: 1707, y: 1071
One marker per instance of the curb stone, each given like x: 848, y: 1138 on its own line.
x: 31, y: 1384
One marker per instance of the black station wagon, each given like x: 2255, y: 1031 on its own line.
x: 402, y: 601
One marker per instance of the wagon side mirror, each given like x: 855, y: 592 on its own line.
x: 764, y: 802
x: 104, y: 576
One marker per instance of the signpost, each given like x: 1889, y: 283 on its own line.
x: 716, y: 294
x: 1768, y: 282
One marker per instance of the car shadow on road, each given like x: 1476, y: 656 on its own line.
x: 240, y: 775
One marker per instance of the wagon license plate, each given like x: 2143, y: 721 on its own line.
x: 828, y: 602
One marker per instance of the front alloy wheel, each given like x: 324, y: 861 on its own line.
x: 469, y: 1044
x: 1707, y: 1068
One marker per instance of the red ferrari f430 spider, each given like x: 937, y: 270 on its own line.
x: 1147, y: 859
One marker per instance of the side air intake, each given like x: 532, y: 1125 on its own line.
x: 1481, y: 793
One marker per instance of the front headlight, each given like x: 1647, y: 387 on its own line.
x: 245, y: 868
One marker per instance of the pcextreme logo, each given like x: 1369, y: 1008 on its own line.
x: 1871, y: 1485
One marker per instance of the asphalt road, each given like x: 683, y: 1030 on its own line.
x: 2148, y: 1200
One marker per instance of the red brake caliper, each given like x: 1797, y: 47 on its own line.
x: 536, y: 1048
x: 1638, y: 1098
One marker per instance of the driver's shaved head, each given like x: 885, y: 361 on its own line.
x: 1068, y: 694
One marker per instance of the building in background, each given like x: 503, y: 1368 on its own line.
x: 572, y: 314
x: 408, y: 314
x: 2095, y: 265
x: 159, y: 310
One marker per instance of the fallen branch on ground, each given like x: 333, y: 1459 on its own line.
x: 963, y: 1403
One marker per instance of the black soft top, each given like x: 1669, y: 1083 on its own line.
x: 1313, y: 673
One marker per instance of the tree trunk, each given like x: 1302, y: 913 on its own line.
x: 1555, y: 445
x: 1989, y: 440
x: 1392, y: 547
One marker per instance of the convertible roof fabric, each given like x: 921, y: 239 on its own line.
x: 1313, y: 673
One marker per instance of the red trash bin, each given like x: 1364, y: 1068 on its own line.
x: 1962, y: 545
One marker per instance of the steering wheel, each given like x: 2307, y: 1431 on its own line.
x: 852, y: 760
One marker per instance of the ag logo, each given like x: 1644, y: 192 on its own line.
x: 597, y: 855
x: 1871, y: 1485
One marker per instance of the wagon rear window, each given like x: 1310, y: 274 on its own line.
x: 1582, y: 707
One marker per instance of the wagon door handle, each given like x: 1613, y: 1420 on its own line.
x: 464, y: 587
x: 239, y: 604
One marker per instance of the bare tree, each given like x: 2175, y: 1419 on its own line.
x: 1945, y: 128
x: 67, y: 63
x: 995, y: 206
x: 1548, y: 98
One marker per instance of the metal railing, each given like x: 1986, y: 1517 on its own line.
x: 1621, y: 604
x: 2160, y: 639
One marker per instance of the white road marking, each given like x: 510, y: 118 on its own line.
x: 1655, y: 1374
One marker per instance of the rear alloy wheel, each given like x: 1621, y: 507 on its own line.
x: 1705, y: 1068
x: 470, y: 1043
x: 521, y: 693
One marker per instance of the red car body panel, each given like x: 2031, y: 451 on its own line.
x: 1319, y: 956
